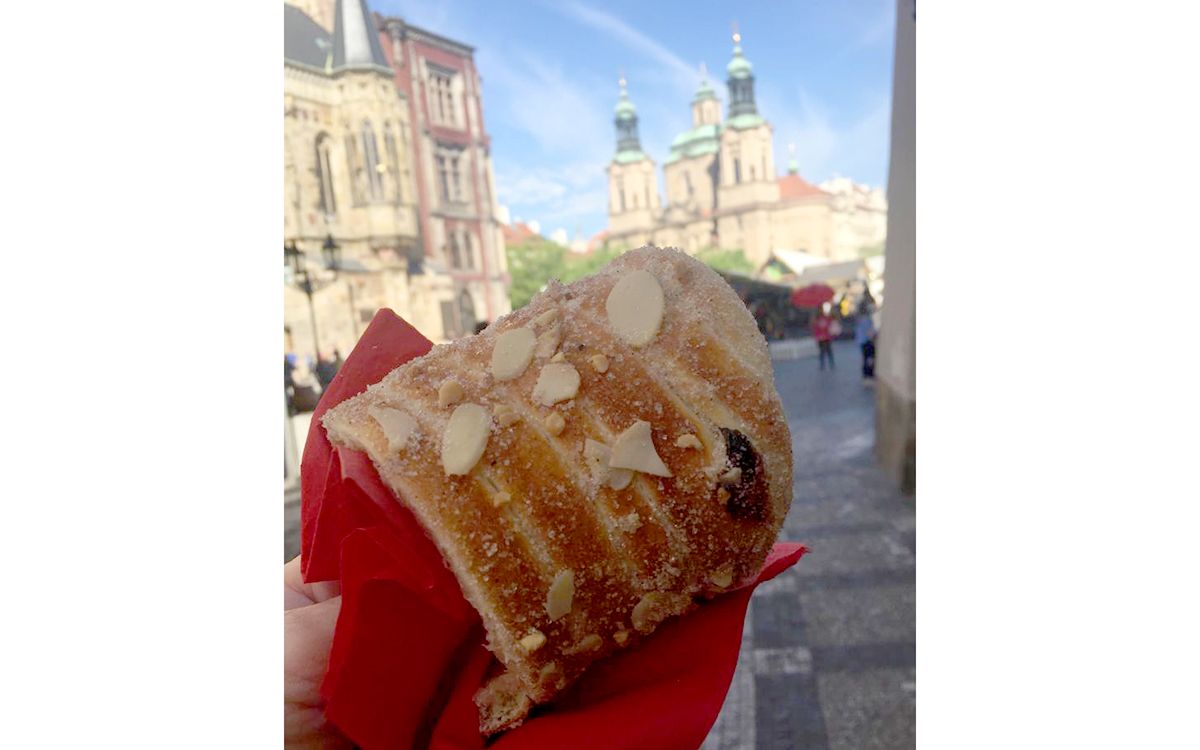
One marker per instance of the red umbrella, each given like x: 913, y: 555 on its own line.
x: 813, y: 295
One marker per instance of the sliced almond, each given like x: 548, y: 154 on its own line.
x: 596, y: 454
x: 449, y: 393
x: 733, y: 476
x: 657, y: 606
x: 506, y: 415
x: 558, y: 381
x: 465, y: 438
x: 722, y: 495
x: 512, y: 353
x: 533, y: 641
x: 635, y: 307
x: 560, y: 595
x: 621, y: 636
x: 397, y: 425
x: 546, y: 318
x: 501, y: 499
x: 599, y: 363
x: 560, y: 357
x: 688, y: 441
x: 549, y: 340
x: 722, y: 577
x: 555, y: 423
x: 634, y: 449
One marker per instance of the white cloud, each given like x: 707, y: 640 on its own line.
x: 683, y: 73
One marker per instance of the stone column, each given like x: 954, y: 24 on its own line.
x: 895, y: 409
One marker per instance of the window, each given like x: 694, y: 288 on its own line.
x: 389, y: 142
x: 737, y: 170
x: 325, y: 175
x: 687, y: 181
x: 449, y: 175
x: 354, y: 167
x: 373, y: 167
x: 454, y: 254
x: 468, y: 252
x: 443, y: 108
x: 621, y: 192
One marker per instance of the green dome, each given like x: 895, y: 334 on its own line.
x: 739, y: 67
x: 704, y: 92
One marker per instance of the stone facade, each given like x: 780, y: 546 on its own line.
x: 353, y: 174
x: 723, y: 190
x: 457, y: 199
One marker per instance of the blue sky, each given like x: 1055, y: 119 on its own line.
x: 822, y: 70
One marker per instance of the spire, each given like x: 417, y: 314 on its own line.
x: 355, y: 38
x: 705, y: 91
x: 626, y: 122
x: 740, y: 81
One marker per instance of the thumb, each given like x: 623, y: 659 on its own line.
x: 307, y: 637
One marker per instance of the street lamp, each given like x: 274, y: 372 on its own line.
x: 294, y: 256
x: 332, y: 252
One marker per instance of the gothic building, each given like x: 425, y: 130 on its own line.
x: 386, y: 154
x: 722, y: 189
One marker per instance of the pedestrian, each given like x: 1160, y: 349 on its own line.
x: 822, y: 331
x: 325, y: 371
x: 864, y: 336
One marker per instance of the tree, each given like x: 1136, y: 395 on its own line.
x: 868, y: 251
x: 727, y: 260
x: 531, y: 264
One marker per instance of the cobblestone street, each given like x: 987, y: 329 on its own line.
x: 829, y: 649
x: 828, y: 652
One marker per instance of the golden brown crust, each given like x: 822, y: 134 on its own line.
x: 531, y: 508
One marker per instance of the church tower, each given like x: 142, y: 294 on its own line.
x: 633, y: 202
x: 747, y: 173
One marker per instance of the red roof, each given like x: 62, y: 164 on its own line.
x: 517, y: 233
x: 795, y: 186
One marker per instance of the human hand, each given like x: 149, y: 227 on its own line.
x: 310, y: 613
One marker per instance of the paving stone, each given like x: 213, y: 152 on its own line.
x: 873, y: 710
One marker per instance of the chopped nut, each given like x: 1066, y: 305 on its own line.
x: 549, y: 672
x: 555, y: 423
x: 397, y: 425
x: 596, y: 454
x: 634, y: 449
x: 619, y: 479
x: 689, y: 441
x: 501, y: 498
x: 512, y: 352
x: 657, y: 606
x: 589, y: 642
x: 449, y: 393
x: 560, y: 357
x: 722, y: 577
x: 506, y: 415
x: 560, y: 595
x: 558, y: 381
x: 733, y: 476
x: 465, y: 438
x: 620, y: 637
x: 549, y: 340
x: 599, y: 363
x: 722, y: 495
x: 546, y: 318
x: 635, y: 307
x: 533, y: 641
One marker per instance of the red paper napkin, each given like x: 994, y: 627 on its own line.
x: 408, y: 653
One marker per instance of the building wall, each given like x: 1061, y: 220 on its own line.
x: 747, y: 167
x: 461, y: 232
x: 698, y: 172
x: 895, y: 420
x: 638, y: 210
x: 803, y: 224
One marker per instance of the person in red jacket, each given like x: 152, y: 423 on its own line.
x: 822, y: 331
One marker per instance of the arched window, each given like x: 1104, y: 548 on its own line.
x: 393, y: 156
x: 372, y: 165
x: 621, y: 191
x: 325, y: 174
x: 455, y: 254
x: 355, y: 170
x: 466, y: 312
x: 468, y: 252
